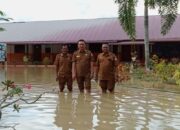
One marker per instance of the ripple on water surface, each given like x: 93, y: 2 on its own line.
x: 127, y: 109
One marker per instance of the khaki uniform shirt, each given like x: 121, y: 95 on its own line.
x: 83, y: 62
x: 64, y: 64
x: 106, y: 64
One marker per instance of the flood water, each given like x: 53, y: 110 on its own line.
x: 127, y: 109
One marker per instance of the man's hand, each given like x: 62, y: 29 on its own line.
x: 116, y: 78
x: 92, y: 76
x: 73, y: 77
x: 57, y: 78
x: 96, y: 78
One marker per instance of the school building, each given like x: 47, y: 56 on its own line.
x: 41, y: 39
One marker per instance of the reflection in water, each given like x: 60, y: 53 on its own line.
x: 2, y: 75
x: 128, y: 109
x: 38, y: 116
x: 74, y: 111
x: 33, y: 75
x: 106, y: 113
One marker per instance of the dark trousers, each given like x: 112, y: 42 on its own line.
x: 84, y: 82
x: 65, y: 80
x: 107, y: 85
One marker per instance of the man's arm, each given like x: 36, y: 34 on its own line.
x: 97, y: 69
x: 116, y: 68
x: 92, y: 70
x: 92, y: 66
x: 56, y: 63
x: 74, y: 70
x: 74, y: 67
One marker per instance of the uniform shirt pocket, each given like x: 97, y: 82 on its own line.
x: 110, y: 59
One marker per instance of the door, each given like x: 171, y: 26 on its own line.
x: 37, y: 53
x: 126, y: 53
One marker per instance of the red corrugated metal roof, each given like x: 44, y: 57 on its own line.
x: 92, y: 30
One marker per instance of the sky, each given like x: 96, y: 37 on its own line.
x: 44, y: 10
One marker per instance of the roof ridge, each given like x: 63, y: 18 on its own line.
x: 71, y: 19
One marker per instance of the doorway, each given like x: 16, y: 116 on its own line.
x: 126, y: 53
x: 37, y: 53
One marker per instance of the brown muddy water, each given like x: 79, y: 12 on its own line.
x: 127, y: 109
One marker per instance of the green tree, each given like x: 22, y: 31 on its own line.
x: 168, y: 10
x: 3, y: 18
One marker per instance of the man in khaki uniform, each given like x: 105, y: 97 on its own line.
x: 106, y: 69
x: 63, y: 64
x: 83, y: 66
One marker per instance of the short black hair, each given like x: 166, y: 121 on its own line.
x: 105, y: 44
x: 65, y: 45
x: 81, y: 40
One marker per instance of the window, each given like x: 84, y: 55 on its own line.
x: 19, y: 48
x: 72, y: 47
x: 95, y: 48
x: 47, y: 50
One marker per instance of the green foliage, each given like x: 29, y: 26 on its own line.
x: 25, y: 59
x: 165, y: 70
x: 151, y: 3
x: 154, y: 61
x: 16, y: 107
x: 168, y: 9
x: 176, y: 75
x: 143, y: 75
x: 2, y: 13
x: 162, y: 71
x: 12, y: 94
x: 15, y: 91
x: 8, y: 84
x: 3, y: 18
x: 175, y: 60
x: 1, y: 29
x: 46, y: 61
x: 127, y: 16
x: 10, y: 90
x: 138, y: 73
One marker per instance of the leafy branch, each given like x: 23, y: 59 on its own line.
x: 14, y: 94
